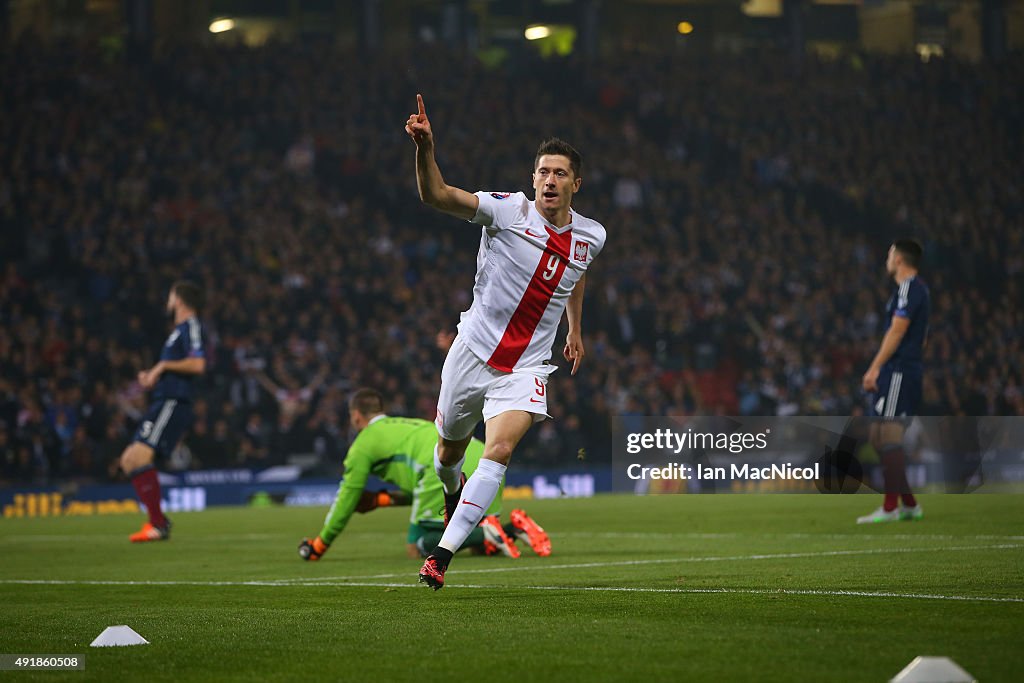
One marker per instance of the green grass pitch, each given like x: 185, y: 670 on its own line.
x: 713, y: 588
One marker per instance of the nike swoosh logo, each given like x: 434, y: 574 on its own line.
x: 534, y: 400
x: 466, y: 502
x: 534, y: 235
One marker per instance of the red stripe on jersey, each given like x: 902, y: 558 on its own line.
x: 530, y: 310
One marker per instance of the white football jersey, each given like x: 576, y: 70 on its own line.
x: 525, y: 270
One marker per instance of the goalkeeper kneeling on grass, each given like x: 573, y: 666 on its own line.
x: 400, y: 451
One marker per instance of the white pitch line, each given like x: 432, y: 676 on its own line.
x: 598, y: 589
x: 645, y: 534
x: 769, y: 534
x: 766, y: 591
x: 678, y: 560
x: 532, y: 566
x: 911, y: 537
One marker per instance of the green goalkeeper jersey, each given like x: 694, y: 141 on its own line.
x: 400, y: 451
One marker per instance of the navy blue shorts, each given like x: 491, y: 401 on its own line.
x: 164, y: 424
x: 898, y: 395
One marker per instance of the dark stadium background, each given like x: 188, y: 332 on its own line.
x: 752, y: 164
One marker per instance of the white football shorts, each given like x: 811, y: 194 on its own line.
x: 472, y: 390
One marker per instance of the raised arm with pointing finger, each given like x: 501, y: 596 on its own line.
x: 433, y: 190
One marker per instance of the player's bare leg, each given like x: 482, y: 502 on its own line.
x: 137, y: 463
x: 887, y: 439
x: 136, y: 455
x: 449, y: 456
x: 504, y: 431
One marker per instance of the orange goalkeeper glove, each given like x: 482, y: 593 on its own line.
x: 371, y: 500
x: 312, y: 550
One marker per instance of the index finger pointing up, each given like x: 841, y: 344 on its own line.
x: 423, y: 110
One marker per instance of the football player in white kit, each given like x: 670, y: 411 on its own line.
x: 531, y: 266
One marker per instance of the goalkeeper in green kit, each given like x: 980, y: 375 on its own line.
x: 400, y: 451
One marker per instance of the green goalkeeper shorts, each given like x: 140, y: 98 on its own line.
x: 419, y: 530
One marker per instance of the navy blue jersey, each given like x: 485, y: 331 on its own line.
x: 186, y: 341
x: 912, y: 301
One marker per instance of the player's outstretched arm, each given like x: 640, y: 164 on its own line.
x: 345, y: 504
x: 433, y: 190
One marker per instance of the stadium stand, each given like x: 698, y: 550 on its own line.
x: 748, y: 210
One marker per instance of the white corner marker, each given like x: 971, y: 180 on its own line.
x: 933, y: 670
x: 118, y: 635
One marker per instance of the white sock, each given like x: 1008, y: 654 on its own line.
x: 480, y: 492
x: 450, y: 476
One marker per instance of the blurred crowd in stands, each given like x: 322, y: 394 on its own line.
x: 749, y: 209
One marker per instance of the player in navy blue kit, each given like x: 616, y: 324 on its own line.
x: 895, y: 378
x: 170, y: 414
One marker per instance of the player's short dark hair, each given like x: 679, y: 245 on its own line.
x: 190, y: 294
x: 910, y: 250
x: 562, y: 148
x: 367, y: 401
